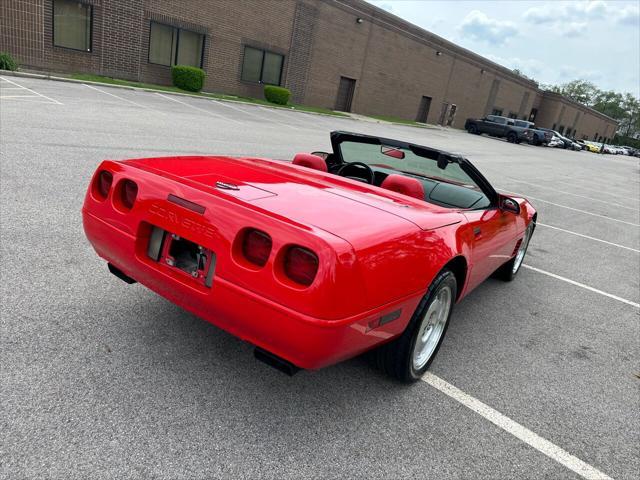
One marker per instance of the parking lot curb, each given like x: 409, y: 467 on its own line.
x: 48, y: 76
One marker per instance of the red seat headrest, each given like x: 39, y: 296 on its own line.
x: 310, y: 161
x: 411, y: 187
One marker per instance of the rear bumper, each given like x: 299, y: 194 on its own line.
x: 303, y: 340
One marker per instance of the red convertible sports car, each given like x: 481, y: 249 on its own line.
x: 367, y: 247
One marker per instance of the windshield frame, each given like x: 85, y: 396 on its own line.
x: 429, y: 154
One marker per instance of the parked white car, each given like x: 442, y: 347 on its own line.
x: 556, y: 142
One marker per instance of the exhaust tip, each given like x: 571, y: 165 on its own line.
x: 120, y: 274
x: 276, y: 362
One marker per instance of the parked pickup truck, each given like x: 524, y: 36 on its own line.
x: 497, y: 126
x: 540, y: 135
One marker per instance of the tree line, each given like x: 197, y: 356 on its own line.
x: 623, y: 107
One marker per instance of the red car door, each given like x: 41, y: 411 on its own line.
x: 493, y: 239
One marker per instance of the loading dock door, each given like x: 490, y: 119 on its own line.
x: 423, y: 110
x: 345, y: 94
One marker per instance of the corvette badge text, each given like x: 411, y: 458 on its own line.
x: 174, y: 218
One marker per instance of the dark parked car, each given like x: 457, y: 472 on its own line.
x: 540, y: 136
x: 498, y: 126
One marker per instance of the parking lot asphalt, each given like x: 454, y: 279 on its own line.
x: 104, y: 380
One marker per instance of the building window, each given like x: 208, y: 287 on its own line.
x: 175, y: 46
x: 72, y: 25
x: 561, y: 129
x: 496, y: 111
x: 261, y: 66
x: 513, y: 115
x: 554, y: 126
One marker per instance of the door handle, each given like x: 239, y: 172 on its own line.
x: 477, y: 232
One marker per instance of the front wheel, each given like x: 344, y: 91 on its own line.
x: 408, y: 357
x: 509, y: 270
x: 512, y: 138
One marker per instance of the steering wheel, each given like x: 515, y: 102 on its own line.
x: 356, y: 167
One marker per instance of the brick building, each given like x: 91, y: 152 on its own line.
x: 341, y: 54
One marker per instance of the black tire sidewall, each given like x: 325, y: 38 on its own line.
x: 445, y: 277
x: 507, y: 272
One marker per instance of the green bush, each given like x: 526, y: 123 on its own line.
x: 7, y: 62
x: 187, y: 78
x: 277, y: 95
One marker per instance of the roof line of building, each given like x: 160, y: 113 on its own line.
x: 378, y: 15
x: 584, y: 108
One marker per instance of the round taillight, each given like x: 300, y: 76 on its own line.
x: 256, y: 247
x: 128, y: 193
x: 103, y: 184
x: 301, y: 265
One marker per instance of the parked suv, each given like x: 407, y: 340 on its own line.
x: 497, y: 126
x: 540, y: 136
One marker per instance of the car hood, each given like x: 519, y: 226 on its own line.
x: 346, y: 208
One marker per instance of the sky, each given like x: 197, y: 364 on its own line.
x: 552, y: 42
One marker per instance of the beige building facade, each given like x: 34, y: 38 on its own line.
x: 339, y: 54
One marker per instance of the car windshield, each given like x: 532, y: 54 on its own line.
x: 450, y: 186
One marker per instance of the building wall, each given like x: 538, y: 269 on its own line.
x: 556, y: 111
x: 393, y: 62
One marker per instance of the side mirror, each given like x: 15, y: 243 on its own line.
x: 392, y: 152
x: 508, y: 204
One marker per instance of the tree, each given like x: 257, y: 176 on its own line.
x: 630, y: 124
x: 582, y: 91
x: 622, y: 107
x: 610, y: 103
x: 519, y: 72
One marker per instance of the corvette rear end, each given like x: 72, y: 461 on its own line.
x: 231, y: 252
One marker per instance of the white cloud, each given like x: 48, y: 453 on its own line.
x: 566, y: 17
x: 553, y: 13
x: 529, y: 66
x: 629, y: 15
x: 478, y: 26
x: 568, y: 73
x: 386, y: 6
x: 571, y: 29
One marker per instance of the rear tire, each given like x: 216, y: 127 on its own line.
x: 512, y: 138
x: 409, y: 356
x: 472, y: 129
x: 509, y: 270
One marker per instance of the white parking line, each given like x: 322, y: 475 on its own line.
x: 274, y: 111
x: 587, y: 236
x: 574, y: 194
x: 221, y: 117
x: 569, y: 208
x: 582, y: 285
x: 238, y: 109
x: 123, y: 99
x: 522, y: 433
x: 590, y: 189
x: 32, y: 91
